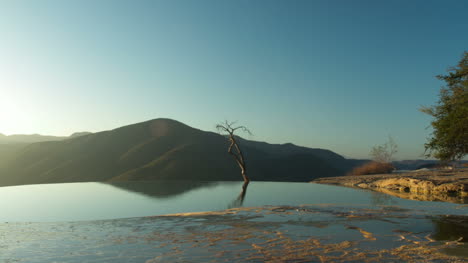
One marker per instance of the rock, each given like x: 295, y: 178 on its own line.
x: 423, y: 184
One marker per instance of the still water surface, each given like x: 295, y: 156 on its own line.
x: 96, y: 201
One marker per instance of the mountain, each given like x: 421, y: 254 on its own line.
x: 288, y: 149
x: 12, y: 144
x: 7, y: 151
x: 33, y: 138
x: 78, y: 134
x: 163, y: 149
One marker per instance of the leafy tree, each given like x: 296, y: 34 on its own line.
x: 449, y: 139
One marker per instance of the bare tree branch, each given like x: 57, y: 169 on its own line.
x: 229, y: 129
x: 384, y: 153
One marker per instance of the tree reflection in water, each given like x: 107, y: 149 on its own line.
x: 451, y: 228
x: 378, y: 199
x: 239, y: 201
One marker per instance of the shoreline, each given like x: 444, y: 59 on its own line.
x: 422, y: 185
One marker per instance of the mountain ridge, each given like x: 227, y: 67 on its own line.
x: 33, y: 138
x: 163, y: 149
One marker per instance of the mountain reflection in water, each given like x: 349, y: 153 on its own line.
x: 168, y: 189
x: 162, y: 189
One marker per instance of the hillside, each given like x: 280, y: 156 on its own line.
x: 163, y: 149
x: 23, y: 138
x: 33, y: 138
x: 7, y: 151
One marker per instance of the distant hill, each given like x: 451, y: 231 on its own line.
x: 163, y: 149
x: 414, y: 164
x: 78, y: 134
x: 8, y: 151
x: 419, y: 164
x: 288, y: 149
x: 12, y: 144
x: 33, y: 138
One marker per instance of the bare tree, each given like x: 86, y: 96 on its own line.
x: 229, y: 129
x: 384, y: 153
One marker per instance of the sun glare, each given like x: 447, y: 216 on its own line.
x: 11, y: 116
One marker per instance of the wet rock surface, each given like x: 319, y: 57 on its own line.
x: 445, y: 185
x: 307, y: 233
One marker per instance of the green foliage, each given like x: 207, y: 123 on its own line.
x: 449, y: 140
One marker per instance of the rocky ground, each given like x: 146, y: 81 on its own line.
x: 309, y: 233
x: 424, y: 185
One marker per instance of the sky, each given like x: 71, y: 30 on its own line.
x: 340, y: 75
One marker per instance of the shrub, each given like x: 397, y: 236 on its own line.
x: 373, y: 168
x: 384, y: 153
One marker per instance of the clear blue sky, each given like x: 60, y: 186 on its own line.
x: 341, y: 75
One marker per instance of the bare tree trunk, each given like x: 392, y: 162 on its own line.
x: 227, y: 127
x: 239, y: 157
